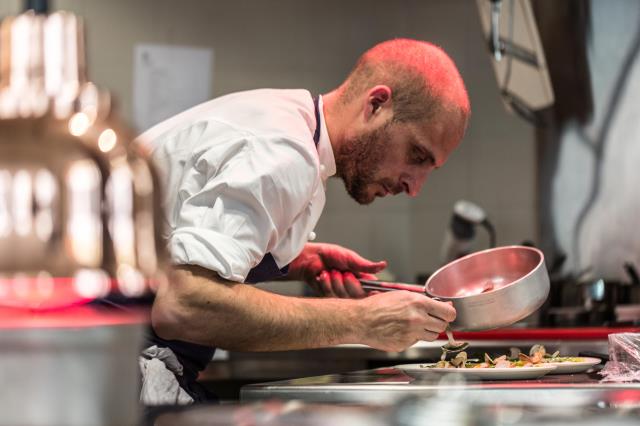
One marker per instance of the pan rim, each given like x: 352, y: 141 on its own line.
x: 480, y: 253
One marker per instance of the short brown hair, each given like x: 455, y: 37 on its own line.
x: 423, y: 79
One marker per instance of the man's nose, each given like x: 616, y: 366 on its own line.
x: 413, y: 184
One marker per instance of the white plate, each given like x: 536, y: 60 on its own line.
x: 570, y: 367
x: 515, y: 373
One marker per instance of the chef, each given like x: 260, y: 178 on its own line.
x: 245, y: 177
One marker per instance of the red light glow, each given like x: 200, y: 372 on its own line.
x: 39, y: 293
x: 45, y: 293
x: 71, y: 317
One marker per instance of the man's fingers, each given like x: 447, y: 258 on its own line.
x: 352, y: 286
x: 324, y: 283
x: 442, y: 310
x: 430, y: 336
x: 435, y: 325
x: 338, y: 285
x: 358, y: 263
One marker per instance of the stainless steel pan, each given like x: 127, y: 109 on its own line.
x: 489, y: 289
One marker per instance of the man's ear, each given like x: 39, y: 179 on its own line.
x: 378, y: 97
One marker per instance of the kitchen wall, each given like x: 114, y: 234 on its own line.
x: 311, y: 44
x: 595, y: 198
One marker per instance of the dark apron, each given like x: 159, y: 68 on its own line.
x: 194, y: 358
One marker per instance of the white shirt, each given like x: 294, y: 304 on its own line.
x: 242, y: 177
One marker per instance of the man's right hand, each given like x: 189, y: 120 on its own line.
x: 197, y: 306
x: 395, y: 320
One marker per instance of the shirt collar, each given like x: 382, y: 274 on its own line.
x: 325, y: 150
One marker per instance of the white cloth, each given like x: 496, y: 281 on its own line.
x: 242, y: 178
x: 159, y: 367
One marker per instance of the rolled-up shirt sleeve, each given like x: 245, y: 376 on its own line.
x: 235, y: 200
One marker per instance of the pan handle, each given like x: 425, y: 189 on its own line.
x: 374, y: 285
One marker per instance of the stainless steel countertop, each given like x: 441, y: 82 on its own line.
x: 384, y: 397
x: 407, y: 412
x: 384, y: 385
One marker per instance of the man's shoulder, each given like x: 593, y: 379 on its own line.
x: 269, y: 105
x: 270, y: 94
x: 240, y: 109
x: 285, y: 114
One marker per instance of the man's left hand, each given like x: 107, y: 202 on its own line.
x: 333, y: 271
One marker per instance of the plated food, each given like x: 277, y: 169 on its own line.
x: 495, y: 373
x: 572, y: 365
x: 516, y: 365
x: 564, y: 364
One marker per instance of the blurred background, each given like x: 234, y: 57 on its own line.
x: 313, y: 45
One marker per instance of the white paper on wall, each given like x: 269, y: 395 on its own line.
x: 167, y: 80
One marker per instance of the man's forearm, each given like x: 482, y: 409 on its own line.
x: 199, y: 307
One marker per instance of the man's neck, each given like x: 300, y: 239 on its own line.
x: 334, y: 118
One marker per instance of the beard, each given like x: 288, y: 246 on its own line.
x: 358, y: 161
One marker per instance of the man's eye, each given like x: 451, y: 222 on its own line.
x: 418, y: 156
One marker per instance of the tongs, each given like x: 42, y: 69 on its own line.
x: 373, y: 285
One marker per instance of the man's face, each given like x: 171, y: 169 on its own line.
x: 392, y: 158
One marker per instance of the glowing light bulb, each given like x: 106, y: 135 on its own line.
x: 91, y: 283
x: 107, y: 140
x: 130, y: 281
x: 79, y: 123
